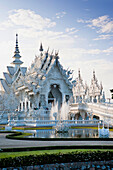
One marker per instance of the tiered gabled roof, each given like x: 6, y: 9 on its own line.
x: 4, y: 86
x: 10, y: 70
x: 40, y: 69
x: 7, y: 78
x: 13, y: 72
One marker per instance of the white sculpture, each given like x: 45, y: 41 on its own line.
x: 104, y: 132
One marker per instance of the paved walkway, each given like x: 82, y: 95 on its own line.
x: 9, y: 143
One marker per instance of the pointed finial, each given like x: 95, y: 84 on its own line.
x: 17, y: 62
x: 41, y: 47
x: 16, y: 39
x: 79, y: 72
x: 94, y: 74
x: 16, y: 48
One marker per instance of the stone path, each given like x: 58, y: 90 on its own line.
x: 9, y: 143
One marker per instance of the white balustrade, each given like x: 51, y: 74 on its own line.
x: 52, y: 122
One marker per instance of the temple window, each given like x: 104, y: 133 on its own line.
x: 66, y: 98
x: 27, y: 105
x: 30, y: 105
x: 23, y: 106
x: 20, y: 106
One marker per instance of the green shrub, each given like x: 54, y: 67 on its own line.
x: 56, y: 158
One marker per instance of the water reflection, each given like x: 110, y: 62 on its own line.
x: 72, y: 133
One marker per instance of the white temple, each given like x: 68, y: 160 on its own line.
x: 31, y: 92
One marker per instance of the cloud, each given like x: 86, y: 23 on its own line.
x: 60, y: 14
x: 32, y: 33
x: 103, y: 37
x: 29, y: 24
x: 86, y: 9
x: 81, y: 51
x: 99, y: 22
x: 108, y: 51
x: 71, y: 30
x: 6, y: 24
x: 28, y: 19
x: 32, y: 25
x: 103, y: 24
x: 81, y: 21
x: 82, y: 54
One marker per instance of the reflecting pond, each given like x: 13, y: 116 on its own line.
x: 72, y: 133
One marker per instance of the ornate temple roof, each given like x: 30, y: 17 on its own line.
x: 40, y: 69
x: 13, y: 72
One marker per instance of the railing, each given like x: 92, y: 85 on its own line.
x: 53, y: 122
x: 82, y: 121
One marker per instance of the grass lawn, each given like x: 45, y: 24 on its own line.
x: 42, y: 152
x: 45, y: 128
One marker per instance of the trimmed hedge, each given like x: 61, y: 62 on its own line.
x: 56, y: 148
x: 18, y: 135
x: 56, y: 158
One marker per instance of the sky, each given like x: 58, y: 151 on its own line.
x: 81, y: 30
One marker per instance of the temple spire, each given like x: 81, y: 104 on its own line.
x: 41, y: 47
x: 17, y: 62
x: 17, y: 48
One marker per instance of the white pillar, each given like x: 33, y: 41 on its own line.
x: 25, y: 105
x: 28, y: 104
x: 63, y: 97
x: 46, y: 98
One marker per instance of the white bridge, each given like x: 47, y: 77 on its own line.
x: 104, y: 111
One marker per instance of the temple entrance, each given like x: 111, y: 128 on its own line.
x: 95, y: 117
x: 55, y: 95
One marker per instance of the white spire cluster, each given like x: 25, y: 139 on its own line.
x: 82, y: 92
